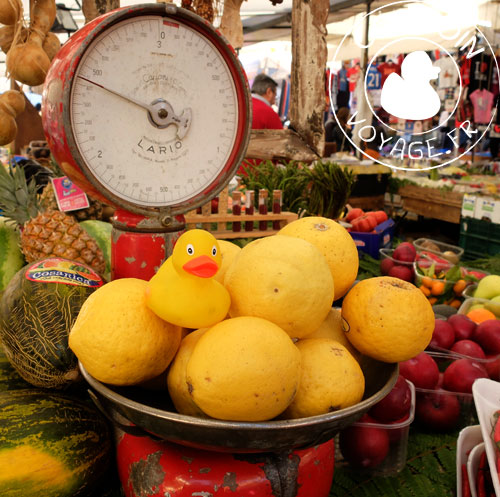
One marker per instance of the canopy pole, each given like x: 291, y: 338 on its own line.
x: 365, y: 40
x: 363, y: 107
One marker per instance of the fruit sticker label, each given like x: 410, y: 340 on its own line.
x: 69, y: 197
x: 56, y: 270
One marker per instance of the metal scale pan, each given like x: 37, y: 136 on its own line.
x: 152, y: 413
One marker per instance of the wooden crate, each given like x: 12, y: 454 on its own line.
x: 432, y: 202
x: 219, y: 223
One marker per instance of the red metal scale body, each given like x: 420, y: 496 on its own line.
x: 150, y: 468
x: 142, y: 239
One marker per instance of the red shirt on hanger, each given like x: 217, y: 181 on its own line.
x: 352, y: 76
x: 387, y: 68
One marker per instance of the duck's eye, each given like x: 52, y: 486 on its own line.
x: 190, y: 249
x: 214, y: 250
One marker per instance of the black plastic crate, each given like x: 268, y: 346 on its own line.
x: 479, y: 238
x: 370, y: 185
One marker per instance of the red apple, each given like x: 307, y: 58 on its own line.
x: 405, y: 252
x: 443, y: 335
x: 487, y: 334
x: 386, y: 265
x: 461, y: 374
x: 492, y: 365
x: 395, y: 434
x: 463, y: 326
x: 422, y: 370
x: 364, y: 446
x: 438, y: 410
x: 468, y: 348
x: 402, y: 272
x: 439, y: 384
x: 395, y: 404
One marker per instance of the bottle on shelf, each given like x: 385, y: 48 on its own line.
x: 249, y: 208
x: 263, y: 208
x: 277, y: 203
x: 236, y: 210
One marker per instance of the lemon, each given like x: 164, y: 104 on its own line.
x: 331, y: 327
x: 243, y: 369
x: 334, y: 242
x: 388, y: 319
x: 228, y: 252
x: 283, y: 279
x: 331, y: 379
x: 176, y: 378
x: 118, y: 339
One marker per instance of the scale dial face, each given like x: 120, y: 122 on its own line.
x: 157, y: 114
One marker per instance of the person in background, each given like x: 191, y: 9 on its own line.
x: 263, y: 97
x: 336, y: 134
x: 263, y: 115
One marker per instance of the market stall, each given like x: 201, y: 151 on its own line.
x: 154, y: 356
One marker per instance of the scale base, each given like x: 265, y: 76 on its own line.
x: 150, y: 468
x: 140, y: 244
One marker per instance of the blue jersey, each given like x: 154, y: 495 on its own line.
x: 342, y: 81
x: 373, y: 78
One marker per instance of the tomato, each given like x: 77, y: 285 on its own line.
x: 150, y: 468
x: 380, y: 216
x: 364, y: 224
x: 354, y: 214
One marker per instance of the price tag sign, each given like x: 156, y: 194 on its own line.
x: 69, y: 197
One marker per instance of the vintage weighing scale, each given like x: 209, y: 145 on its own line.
x: 148, y: 109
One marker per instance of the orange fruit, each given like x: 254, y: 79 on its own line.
x: 459, y: 286
x: 427, y: 281
x: 480, y: 315
x: 425, y: 290
x: 437, y: 288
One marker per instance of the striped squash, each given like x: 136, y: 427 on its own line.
x: 9, y: 377
x: 51, y: 445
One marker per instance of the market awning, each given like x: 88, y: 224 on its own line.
x: 261, y: 26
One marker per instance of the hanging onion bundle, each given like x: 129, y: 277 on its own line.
x: 10, y: 11
x: 28, y: 62
x: 7, y: 35
x: 51, y: 45
x: 12, y: 103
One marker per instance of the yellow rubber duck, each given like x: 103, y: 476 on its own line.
x: 184, y: 291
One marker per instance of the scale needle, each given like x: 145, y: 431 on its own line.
x: 148, y: 107
x: 160, y: 111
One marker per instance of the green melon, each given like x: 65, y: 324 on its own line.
x: 100, y: 231
x: 37, y: 311
x: 9, y: 377
x: 11, y: 257
x: 51, y: 445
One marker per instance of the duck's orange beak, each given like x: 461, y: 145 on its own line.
x: 201, y: 266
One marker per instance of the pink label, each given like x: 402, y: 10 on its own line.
x: 69, y: 196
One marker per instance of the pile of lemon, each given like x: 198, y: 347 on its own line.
x: 282, y: 351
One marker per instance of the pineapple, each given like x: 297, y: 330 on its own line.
x: 48, y: 200
x: 45, y: 233
x: 93, y: 211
